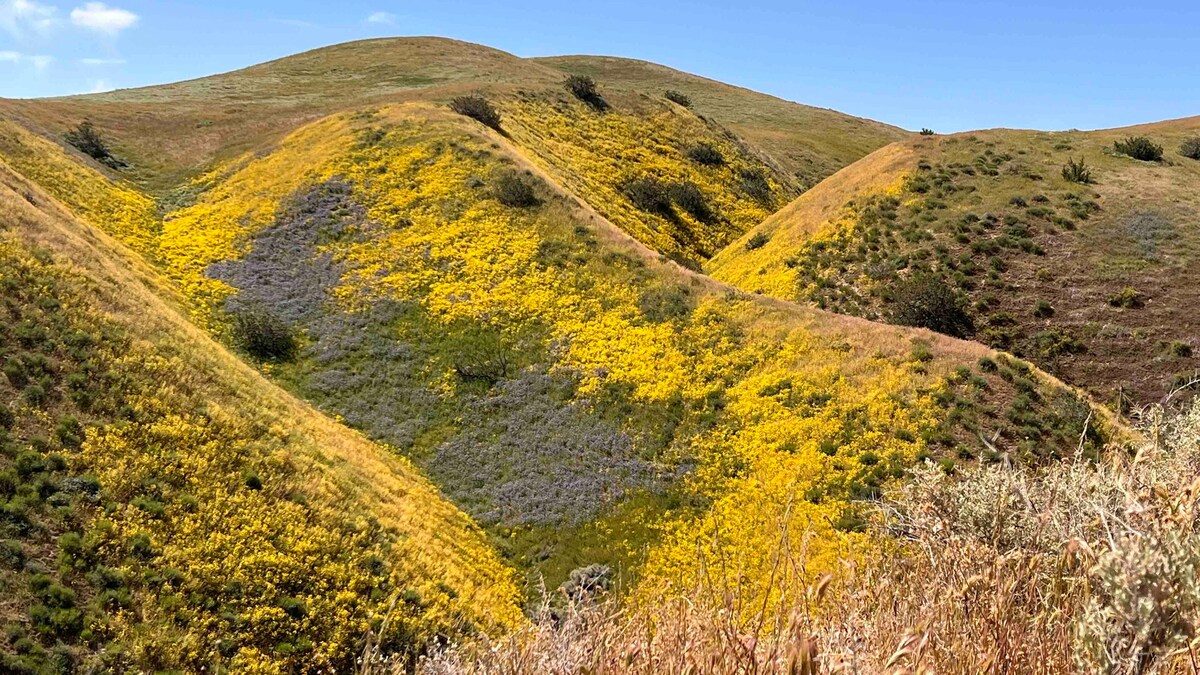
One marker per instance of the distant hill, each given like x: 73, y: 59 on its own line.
x: 1091, y: 281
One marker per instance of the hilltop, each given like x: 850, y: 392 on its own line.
x: 508, y: 305
x: 1092, y: 281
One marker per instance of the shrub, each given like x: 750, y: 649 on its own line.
x: 1180, y: 349
x: 1190, y: 148
x: 689, y: 198
x: 705, y: 154
x: 512, y: 189
x: 587, y: 583
x: 1139, y: 147
x: 477, y: 108
x: 757, y: 241
x: 1077, y: 172
x: 755, y: 184
x: 583, y: 88
x: 263, y: 335
x: 649, y: 195
x: 927, y: 301
x: 926, y: 132
x: 678, y: 97
x: 1043, y: 309
x: 87, y: 140
x: 1127, y: 298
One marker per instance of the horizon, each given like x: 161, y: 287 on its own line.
x: 939, y: 76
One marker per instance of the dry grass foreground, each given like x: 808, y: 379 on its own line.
x: 1080, y: 567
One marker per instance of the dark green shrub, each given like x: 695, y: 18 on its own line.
x: 477, y: 108
x: 583, y: 88
x: 586, y: 583
x: 706, y: 154
x: 263, y: 335
x: 1077, y: 172
x: 87, y: 140
x: 757, y: 241
x: 294, y: 607
x: 678, y: 97
x: 926, y: 132
x: 755, y: 184
x: 689, y: 198
x: 1139, y: 147
x: 927, y: 301
x: 649, y: 195
x: 252, y: 480
x: 513, y: 189
x: 1043, y: 309
x: 1180, y: 349
x: 1190, y: 148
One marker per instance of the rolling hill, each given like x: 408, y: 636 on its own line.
x: 1091, y: 281
x: 497, y: 307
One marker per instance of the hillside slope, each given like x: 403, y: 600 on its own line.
x: 164, y: 507
x: 1094, y: 281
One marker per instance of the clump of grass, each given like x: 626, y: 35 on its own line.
x: 1139, y: 147
x: 477, y: 108
x: 1127, y: 298
x: 1077, y: 172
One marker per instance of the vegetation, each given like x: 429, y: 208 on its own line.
x: 706, y: 154
x: 1190, y: 148
x: 928, y: 302
x: 515, y: 189
x: 263, y: 335
x: 678, y: 97
x: 1077, y: 172
x: 927, y: 132
x: 477, y: 108
x: 86, y: 139
x: 1139, y: 147
x: 583, y: 88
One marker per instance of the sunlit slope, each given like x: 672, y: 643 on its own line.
x: 1094, y: 282
x: 809, y: 143
x: 585, y: 401
x: 165, y: 507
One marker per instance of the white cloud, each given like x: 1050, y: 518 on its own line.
x: 20, y: 16
x: 100, y: 86
x: 382, y: 17
x: 102, y: 62
x: 101, y: 18
x: 38, y: 61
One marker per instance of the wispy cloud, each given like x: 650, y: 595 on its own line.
x: 102, y: 62
x: 385, y: 18
x: 101, y: 18
x: 38, y: 61
x: 100, y: 86
x: 19, y: 17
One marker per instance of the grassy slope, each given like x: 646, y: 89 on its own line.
x: 182, y: 560
x: 809, y: 143
x: 1134, y: 228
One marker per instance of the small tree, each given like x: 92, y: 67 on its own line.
x: 1139, y: 147
x: 678, y: 97
x: 263, y: 335
x: 1190, y: 148
x: 477, y: 108
x: 1077, y: 172
x: 87, y: 140
x: 927, y: 301
x: 583, y: 88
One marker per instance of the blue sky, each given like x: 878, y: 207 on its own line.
x: 948, y: 65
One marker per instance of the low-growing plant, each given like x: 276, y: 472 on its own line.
x: 584, y: 88
x: 1127, y: 298
x: 1139, y: 147
x: 1190, y: 148
x: 687, y: 196
x: 477, y: 108
x: 706, y: 154
x: 678, y: 97
x: 263, y: 335
x: 927, y: 132
x: 757, y: 241
x: 649, y: 195
x: 514, y: 189
x: 927, y: 301
x: 1077, y: 172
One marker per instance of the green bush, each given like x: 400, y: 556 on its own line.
x: 87, y: 140
x: 649, y: 195
x: 1180, y: 349
x: 1139, y: 147
x: 1127, y: 298
x: 583, y: 88
x: 706, y: 154
x: 1190, y: 148
x: 757, y: 241
x: 926, y: 132
x: 263, y: 335
x: 1077, y: 172
x: 927, y: 301
x: 1043, y: 309
x: 755, y: 184
x: 513, y: 189
x: 477, y: 108
x: 678, y: 97
x: 689, y: 198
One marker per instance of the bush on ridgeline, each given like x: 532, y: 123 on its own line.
x: 927, y: 301
x: 706, y: 154
x: 678, y: 97
x: 1139, y: 147
x: 1077, y: 172
x: 513, y: 189
x: 1190, y: 148
x: 263, y: 335
x: 926, y: 132
x: 477, y: 108
x: 87, y: 140
x: 583, y: 88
